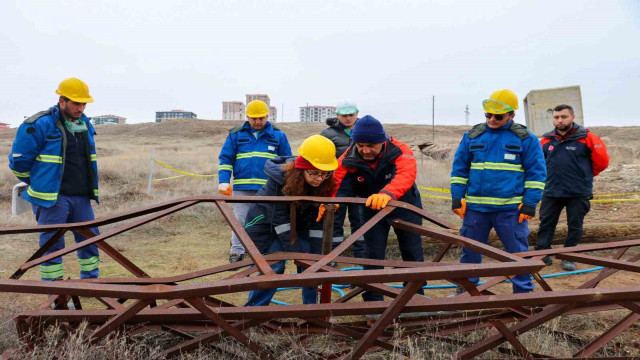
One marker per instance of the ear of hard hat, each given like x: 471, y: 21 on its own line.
x: 368, y: 130
x: 75, y: 90
x: 320, y: 152
x: 501, y: 102
x: 257, y: 109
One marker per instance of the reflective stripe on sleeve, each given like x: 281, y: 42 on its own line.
x: 225, y: 167
x: 282, y: 228
x: 49, y: 158
x: 534, y: 185
x: 21, y: 174
x: 40, y: 195
x: 315, y: 233
x: 459, y: 180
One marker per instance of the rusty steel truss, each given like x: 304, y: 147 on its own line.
x: 190, y: 306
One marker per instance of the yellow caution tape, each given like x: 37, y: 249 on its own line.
x: 435, y: 196
x: 613, y: 195
x: 180, y: 171
x: 168, y: 178
x: 614, y: 201
x: 434, y: 189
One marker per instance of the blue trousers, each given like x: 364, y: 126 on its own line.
x: 263, y: 297
x: 514, y: 236
x: 67, y: 209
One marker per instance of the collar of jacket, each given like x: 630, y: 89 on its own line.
x: 576, y: 132
x: 55, y: 112
x: 353, y: 158
x: 507, y: 126
x: 268, y: 129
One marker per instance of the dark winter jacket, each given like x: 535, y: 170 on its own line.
x: 266, y: 222
x: 572, y: 162
x: 336, y: 133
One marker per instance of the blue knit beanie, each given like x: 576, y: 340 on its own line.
x: 368, y: 130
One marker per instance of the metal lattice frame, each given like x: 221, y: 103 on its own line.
x: 181, y: 306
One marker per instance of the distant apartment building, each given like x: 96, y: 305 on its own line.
x: 261, y: 97
x: 232, y: 110
x: 4, y: 126
x: 273, y: 114
x: 108, y: 119
x: 316, y: 113
x: 162, y: 116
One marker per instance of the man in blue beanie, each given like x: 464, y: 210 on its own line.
x: 381, y: 168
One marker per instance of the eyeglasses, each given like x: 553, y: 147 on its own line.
x: 324, y: 175
x: 497, y: 116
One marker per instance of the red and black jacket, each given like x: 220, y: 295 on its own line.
x: 394, y: 173
x: 572, y: 162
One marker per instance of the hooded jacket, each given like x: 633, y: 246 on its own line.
x: 337, y: 134
x: 572, y: 162
x: 497, y: 169
x: 268, y: 221
x: 38, y: 156
x: 244, y: 154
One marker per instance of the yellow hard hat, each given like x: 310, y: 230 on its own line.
x: 501, y: 102
x: 257, y: 109
x: 74, y: 89
x: 320, y: 152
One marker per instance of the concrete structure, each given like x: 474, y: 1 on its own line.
x: 4, y: 126
x: 539, y: 104
x: 108, y: 119
x: 316, y: 113
x: 162, y: 116
x: 233, y: 110
x: 273, y: 114
x: 261, y: 97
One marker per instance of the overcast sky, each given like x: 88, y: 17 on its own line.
x: 390, y: 57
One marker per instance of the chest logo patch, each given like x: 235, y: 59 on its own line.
x: 271, y: 148
x: 360, y: 179
x: 509, y: 156
x: 551, y: 147
x: 571, y: 148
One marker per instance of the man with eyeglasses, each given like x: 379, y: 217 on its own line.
x: 381, y: 168
x: 339, y: 132
x: 497, y: 180
x: 574, y: 155
x: 243, y: 155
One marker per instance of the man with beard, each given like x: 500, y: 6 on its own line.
x: 55, y: 154
x: 574, y: 155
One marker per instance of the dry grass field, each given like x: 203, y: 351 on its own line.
x: 197, y: 238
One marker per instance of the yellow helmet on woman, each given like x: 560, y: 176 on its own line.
x: 320, y: 152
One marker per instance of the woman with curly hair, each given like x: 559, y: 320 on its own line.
x: 269, y: 224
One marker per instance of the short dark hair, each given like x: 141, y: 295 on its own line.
x: 564, y: 107
x: 64, y: 98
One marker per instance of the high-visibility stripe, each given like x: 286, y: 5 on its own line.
x: 254, y: 221
x: 89, y: 264
x: 225, y: 167
x: 493, y: 201
x: 338, y: 239
x: 496, y: 166
x: 94, y: 157
x: 21, y: 174
x: 255, y: 154
x: 459, y: 180
x: 249, y: 181
x: 282, y: 228
x: 49, y: 158
x: 96, y: 192
x: 51, y: 271
x: 534, y: 185
x: 315, y: 233
x: 40, y: 195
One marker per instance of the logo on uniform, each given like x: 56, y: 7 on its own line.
x: 360, y: 179
x: 509, y: 156
x: 551, y: 147
x: 571, y: 148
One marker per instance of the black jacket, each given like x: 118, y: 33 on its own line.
x: 335, y: 132
x: 266, y: 222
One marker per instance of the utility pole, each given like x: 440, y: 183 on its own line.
x: 466, y: 112
x: 433, y: 118
x: 282, y: 112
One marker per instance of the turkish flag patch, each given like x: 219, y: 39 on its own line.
x: 551, y: 147
x: 360, y: 179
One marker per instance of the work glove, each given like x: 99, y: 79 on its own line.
x: 322, y: 209
x: 377, y: 201
x: 527, y: 212
x: 225, y: 189
x: 459, y: 206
